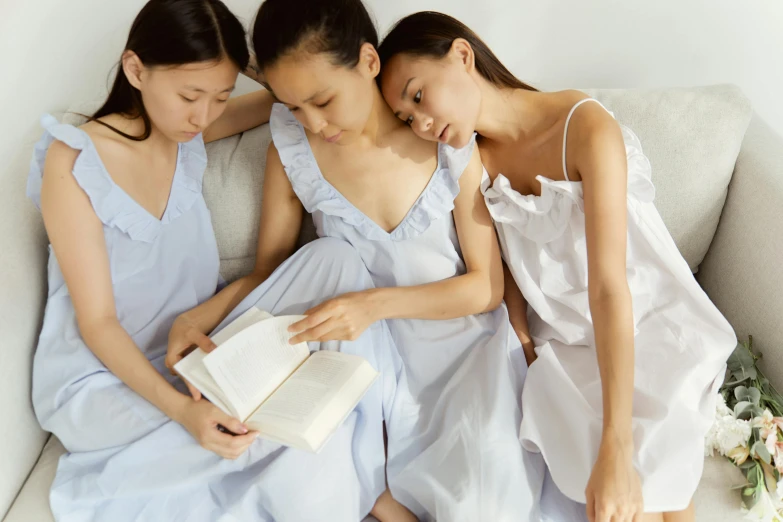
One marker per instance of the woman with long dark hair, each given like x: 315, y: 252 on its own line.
x: 630, y: 350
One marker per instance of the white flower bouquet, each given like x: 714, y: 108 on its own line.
x: 748, y: 430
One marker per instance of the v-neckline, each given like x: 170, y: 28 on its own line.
x: 127, y: 196
x: 348, y: 202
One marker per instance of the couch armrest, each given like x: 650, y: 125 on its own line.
x: 743, y: 270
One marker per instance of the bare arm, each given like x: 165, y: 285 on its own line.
x: 241, y: 114
x: 281, y: 218
x: 602, y: 166
x: 517, y: 314
x: 76, y: 235
x: 614, y: 486
x: 480, y: 289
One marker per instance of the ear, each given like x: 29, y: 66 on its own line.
x: 133, y: 68
x: 369, y: 61
x: 462, y: 52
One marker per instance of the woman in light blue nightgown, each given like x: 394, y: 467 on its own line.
x: 415, y: 214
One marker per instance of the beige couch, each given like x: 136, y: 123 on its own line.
x: 719, y: 189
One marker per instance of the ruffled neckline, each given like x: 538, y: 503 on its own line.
x: 113, y: 206
x: 319, y: 195
x: 544, y: 218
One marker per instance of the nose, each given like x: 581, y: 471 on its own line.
x: 314, y: 122
x: 424, y: 124
x: 199, y: 117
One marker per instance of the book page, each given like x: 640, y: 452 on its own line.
x: 192, y: 368
x: 252, y: 316
x: 315, y: 399
x: 252, y: 364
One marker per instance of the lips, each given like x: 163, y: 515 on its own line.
x: 333, y: 138
x: 444, y: 134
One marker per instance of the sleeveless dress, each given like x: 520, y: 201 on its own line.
x: 453, y: 447
x: 127, y: 461
x: 681, y: 340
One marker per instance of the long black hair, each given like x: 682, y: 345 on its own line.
x: 171, y: 33
x: 338, y: 28
x: 431, y: 34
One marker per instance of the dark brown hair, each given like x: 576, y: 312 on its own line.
x: 171, y: 33
x: 337, y: 28
x: 431, y: 34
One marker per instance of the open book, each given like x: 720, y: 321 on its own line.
x: 281, y: 390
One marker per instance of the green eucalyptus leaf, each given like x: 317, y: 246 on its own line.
x: 747, y: 465
x: 763, y: 453
x: 741, y: 363
x: 742, y: 410
x: 755, y: 395
x: 741, y: 393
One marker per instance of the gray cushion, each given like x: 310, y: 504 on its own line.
x: 692, y: 137
x: 232, y: 189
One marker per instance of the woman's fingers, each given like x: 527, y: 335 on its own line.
x: 202, y: 341
x: 320, y: 332
x: 590, y: 507
x: 194, y: 392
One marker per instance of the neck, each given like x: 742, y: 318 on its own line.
x: 506, y: 114
x: 135, y: 127
x: 381, y: 122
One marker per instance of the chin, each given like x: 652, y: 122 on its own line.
x: 460, y: 141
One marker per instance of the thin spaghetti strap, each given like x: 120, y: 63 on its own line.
x: 565, y: 131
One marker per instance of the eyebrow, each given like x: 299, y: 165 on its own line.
x: 308, y: 100
x: 192, y: 88
x: 404, y: 95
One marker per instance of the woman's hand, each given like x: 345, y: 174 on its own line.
x: 343, y: 318
x: 202, y: 418
x: 183, y: 336
x: 614, y: 491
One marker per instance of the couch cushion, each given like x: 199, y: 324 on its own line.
x: 233, y: 184
x: 692, y: 137
x: 232, y: 190
x: 718, y: 499
x: 715, y: 500
x: 33, y: 501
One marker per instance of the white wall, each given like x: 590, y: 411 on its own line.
x: 55, y: 52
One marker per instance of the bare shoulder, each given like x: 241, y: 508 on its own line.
x: 108, y: 141
x: 59, y: 189
x: 591, y: 125
x: 404, y: 142
x: 60, y: 157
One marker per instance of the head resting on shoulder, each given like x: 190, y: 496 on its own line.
x: 433, y: 66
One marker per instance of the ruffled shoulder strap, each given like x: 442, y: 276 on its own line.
x: 317, y: 194
x: 290, y: 140
x: 113, y: 206
x: 188, y: 178
x: 312, y: 189
x: 456, y: 160
x: 53, y: 130
x: 437, y: 200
